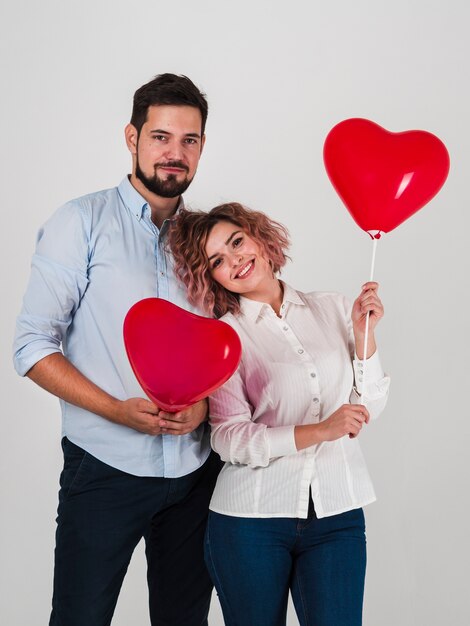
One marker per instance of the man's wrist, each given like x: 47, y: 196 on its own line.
x: 116, y: 411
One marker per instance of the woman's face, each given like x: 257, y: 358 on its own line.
x: 236, y: 260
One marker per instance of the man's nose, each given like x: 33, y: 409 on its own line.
x: 174, y: 150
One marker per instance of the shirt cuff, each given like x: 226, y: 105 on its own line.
x: 281, y: 441
x: 24, y: 362
x: 373, y: 370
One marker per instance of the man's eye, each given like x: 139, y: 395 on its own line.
x: 160, y: 137
x: 190, y: 140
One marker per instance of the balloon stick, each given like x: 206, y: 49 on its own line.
x: 366, y: 335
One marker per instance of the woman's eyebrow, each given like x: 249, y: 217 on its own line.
x: 235, y: 232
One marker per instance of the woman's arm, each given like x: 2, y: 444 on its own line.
x: 371, y: 385
x: 347, y: 420
x: 367, y: 303
x: 235, y: 436
x: 239, y: 440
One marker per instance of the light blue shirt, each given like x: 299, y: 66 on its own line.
x: 95, y: 257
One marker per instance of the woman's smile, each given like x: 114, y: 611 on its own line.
x: 246, y: 270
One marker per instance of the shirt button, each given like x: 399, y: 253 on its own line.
x: 162, y: 273
x: 313, y: 375
x: 285, y: 328
x: 300, y: 351
x: 316, y: 400
x: 361, y: 371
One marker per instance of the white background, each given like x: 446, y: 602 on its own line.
x: 278, y: 76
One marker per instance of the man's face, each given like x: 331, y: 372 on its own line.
x: 168, y: 148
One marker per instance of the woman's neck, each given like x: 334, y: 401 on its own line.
x: 272, y: 294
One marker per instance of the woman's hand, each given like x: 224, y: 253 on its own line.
x: 368, y: 301
x: 347, y: 420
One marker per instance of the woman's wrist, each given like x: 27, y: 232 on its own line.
x: 359, y: 345
x: 307, y: 435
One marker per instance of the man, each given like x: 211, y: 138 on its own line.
x: 130, y: 470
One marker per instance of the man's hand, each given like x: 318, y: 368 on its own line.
x: 185, y: 421
x: 139, y: 414
x: 58, y: 376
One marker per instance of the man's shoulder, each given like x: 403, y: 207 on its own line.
x: 95, y: 198
x: 88, y: 207
x: 82, y: 214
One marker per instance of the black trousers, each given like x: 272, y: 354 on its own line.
x: 103, y: 513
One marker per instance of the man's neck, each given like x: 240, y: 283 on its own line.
x: 160, y: 208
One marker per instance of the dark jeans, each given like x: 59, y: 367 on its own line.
x: 253, y: 563
x: 103, y: 513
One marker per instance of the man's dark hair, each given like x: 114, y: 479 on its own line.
x: 167, y: 89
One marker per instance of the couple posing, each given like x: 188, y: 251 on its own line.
x: 286, y: 508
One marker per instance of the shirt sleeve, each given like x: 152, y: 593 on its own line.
x: 58, y: 280
x: 371, y: 384
x: 234, y: 434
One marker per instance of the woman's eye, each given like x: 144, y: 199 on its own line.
x: 237, y: 241
x: 216, y: 263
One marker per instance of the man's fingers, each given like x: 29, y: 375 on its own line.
x: 170, y: 431
x: 175, y: 424
x: 183, y: 430
x: 148, y: 407
x: 173, y: 418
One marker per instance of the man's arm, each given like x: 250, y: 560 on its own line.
x: 56, y: 374
x: 58, y: 281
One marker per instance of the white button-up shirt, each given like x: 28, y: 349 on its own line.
x: 296, y: 369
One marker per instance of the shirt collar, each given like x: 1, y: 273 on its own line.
x: 136, y: 203
x: 291, y: 295
x: 253, y: 309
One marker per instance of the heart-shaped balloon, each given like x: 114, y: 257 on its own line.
x: 383, y: 177
x: 178, y: 357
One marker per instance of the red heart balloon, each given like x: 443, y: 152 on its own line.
x: 383, y: 177
x: 178, y: 357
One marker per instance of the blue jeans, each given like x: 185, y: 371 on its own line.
x: 103, y: 513
x: 253, y: 562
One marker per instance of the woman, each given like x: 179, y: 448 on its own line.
x: 286, y: 512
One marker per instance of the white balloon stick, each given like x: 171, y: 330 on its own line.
x: 362, y: 395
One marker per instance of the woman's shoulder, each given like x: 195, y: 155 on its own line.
x: 229, y: 318
x: 318, y: 296
x: 322, y: 301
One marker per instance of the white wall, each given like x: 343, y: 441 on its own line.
x: 278, y: 76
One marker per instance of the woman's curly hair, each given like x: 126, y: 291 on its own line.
x: 187, y: 242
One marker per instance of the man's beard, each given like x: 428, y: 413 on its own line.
x: 168, y: 188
